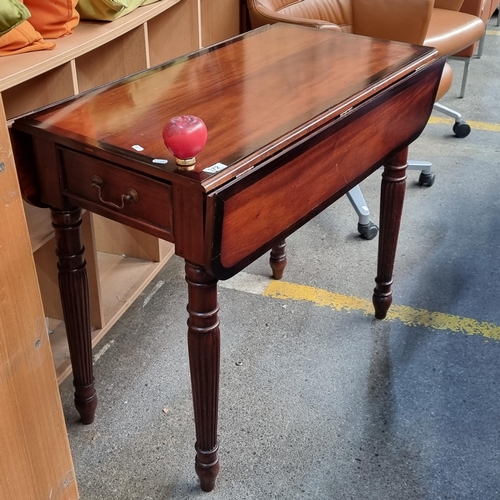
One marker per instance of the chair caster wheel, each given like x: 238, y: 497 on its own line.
x: 426, y: 179
x: 461, y: 129
x: 368, y: 231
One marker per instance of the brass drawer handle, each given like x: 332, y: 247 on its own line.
x: 131, y: 196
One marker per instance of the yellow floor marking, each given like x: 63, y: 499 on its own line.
x: 492, y: 32
x: 492, y: 127
x: 407, y: 315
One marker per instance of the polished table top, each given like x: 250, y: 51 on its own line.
x: 256, y: 93
x: 296, y: 117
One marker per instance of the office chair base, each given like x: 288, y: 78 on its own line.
x: 426, y: 180
x: 427, y: 176
x: 368, y: 231
x: 366, y: 228
x: 461, y: 129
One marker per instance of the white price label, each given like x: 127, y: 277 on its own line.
x: 215, y: 168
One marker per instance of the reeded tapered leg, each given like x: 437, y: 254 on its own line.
x: 73, y: 286
x: 277, y: 259
x: 391, y: 209
x: 204, y: 361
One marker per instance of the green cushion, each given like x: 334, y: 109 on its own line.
x: 12, y: 13
x: 108, y: 10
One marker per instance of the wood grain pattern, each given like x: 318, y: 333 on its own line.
x: 254, y: 212
x: 267, y: 103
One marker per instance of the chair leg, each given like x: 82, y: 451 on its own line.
x: 461, y: 128
x: 367, y: 229
x: 465, y: 74
x: 480, y: 47
x: 464, y: 77
x: 427, y: 176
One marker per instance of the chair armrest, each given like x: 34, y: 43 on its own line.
x: 261, y: 15
x: 448, y: 4
x: 397, y: 20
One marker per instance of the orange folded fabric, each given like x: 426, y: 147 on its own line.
x: 23, y: 38
x: 54, y: 18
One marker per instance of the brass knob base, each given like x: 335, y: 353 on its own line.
x: 185, y: 164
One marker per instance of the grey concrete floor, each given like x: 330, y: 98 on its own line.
x: 318, y: 403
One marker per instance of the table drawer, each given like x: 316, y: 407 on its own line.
x: 116, y: 192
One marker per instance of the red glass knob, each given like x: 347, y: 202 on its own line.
x: 185, y: 136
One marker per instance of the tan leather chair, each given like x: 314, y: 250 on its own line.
x: 448, y: 29
x: 435, y: 23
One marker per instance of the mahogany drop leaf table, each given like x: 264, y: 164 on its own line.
x: 295, y: 116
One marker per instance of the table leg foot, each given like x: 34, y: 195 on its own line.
x: 74, y: 291
x: 382, y: 299
x: 277, y: 259
x: 391, y: 209
x: 204, y: 362
x: 86, y: 403
x: 207, y: 468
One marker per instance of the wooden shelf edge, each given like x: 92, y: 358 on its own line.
x: 86, y: 37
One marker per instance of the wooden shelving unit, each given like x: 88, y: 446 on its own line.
x: 121, y: 261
